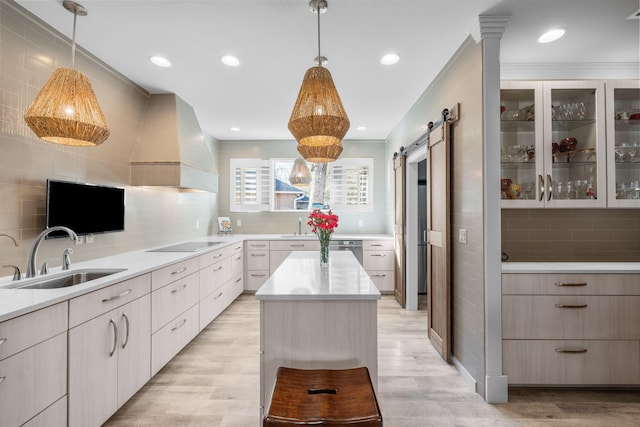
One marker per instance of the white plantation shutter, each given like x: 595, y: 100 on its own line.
x: 351, y: 185
x: 250, y: 185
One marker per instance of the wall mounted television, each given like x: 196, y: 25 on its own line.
x: 84, y: 208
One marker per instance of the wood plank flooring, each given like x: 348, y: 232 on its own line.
x: 214, y: 381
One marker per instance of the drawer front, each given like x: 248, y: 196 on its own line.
x: 169, y: 340
x: 214, y: 276
x: 212, y: 305
x: 377, y: 260
x: 96, y: 303
x: 575, y: 362
x: 29, y: 329
x: 295, y: 245
x: 258, y: 260
x: 260, y: 245
x: 54, y: 416
x: 237, y: 286
x: 570, y: 317
x: 377, y: 245
x: 217, y: 255
x: 237, y: 263
x: 570, y: 284
x: 173, y: 272
x: 32, y: 380
x: 255, y: 279
x: 173, y: 299
x: 383, y: 279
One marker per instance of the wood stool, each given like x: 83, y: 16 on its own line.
x: 323, y: 397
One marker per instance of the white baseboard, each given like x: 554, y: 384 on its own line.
x: 473, y: 384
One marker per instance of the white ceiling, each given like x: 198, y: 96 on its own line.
x: 276, y: 41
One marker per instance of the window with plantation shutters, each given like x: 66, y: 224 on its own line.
x: 351, y: 184
x: 251, y: 185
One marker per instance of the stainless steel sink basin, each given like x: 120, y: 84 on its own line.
x: 63, y: 280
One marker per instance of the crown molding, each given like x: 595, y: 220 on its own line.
x: 569, y: 71
x: 489, y: 27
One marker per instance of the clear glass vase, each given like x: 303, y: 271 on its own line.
x: 325, y: 237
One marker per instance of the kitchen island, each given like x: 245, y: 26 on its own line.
x: 314, y: 317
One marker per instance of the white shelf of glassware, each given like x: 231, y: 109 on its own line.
x: 552, y: 144
x: 623, y: 143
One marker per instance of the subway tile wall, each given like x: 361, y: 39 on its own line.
x: 29, y: 52
x: 571, y: 234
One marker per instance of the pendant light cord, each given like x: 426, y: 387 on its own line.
x: 73, y: 41
x: 318, y: 12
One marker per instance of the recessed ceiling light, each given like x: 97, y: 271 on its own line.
x: 361, y: 128
x: 234, y: 129
x: 551, y: 35
x: 160, y: 61
x: 389, y: 59
x: 230, y: 61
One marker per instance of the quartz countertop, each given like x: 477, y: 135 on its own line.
x: 300, y: 277
x: 571, y: 267
x: 16, y: 302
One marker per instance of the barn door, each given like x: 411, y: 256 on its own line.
x: 399, y: 287
x: 438, y: 240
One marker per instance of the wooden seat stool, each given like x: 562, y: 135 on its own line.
x: 323, y: 397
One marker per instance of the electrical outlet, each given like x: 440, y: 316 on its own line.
x: 360, y: 223
x: 238, y: 223
x: 80, y: 240
x: 462, y: 235
x: 88, y: 238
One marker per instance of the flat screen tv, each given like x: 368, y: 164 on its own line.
x: 84, y: 208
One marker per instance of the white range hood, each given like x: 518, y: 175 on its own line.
x: 172, y: 150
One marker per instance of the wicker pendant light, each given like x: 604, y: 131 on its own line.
x: 300, y: 175
x: 320, y: 154
x: 318, y: 117
x: 66, y: 110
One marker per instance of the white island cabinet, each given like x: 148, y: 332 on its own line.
x: 315, y: 317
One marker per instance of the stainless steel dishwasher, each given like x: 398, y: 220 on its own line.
x: 355, y: 246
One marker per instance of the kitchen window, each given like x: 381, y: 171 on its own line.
x: 263, y: 185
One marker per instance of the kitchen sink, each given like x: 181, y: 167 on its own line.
x: 64, y: 280
x: 299, y: 236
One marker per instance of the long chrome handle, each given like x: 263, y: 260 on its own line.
x: 571, y: 305
x: 218, y: 296
x: 576, y: 351
x: 549, y: 187
x: 570, y: 284
x: 2, y: 379
x: 541, y: 187
x: 120, y: 295
x: 126, y: 336
x: 179, y: 326
x: 182, y: 270
x: 2, y: 340
x: 175, y: 291
x: 258, y: 275
x: 115, y: 336
x: 258, y: 254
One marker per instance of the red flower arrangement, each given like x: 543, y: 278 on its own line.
x: 323, y: 224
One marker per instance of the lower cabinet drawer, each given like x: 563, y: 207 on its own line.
x: 54, y: 416
x: 255, y: 279
x: 383, y: 279
x: 173, y: 299
x: 377, y: 260
x: 571, y: 362
x: 169, y: 340
x: 212, y: 305
x: 32, y: 380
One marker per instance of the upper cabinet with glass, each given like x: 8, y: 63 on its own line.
x: 623, y: 147
x: 553, y: 144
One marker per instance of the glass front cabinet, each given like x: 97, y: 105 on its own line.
x: 552, y: 144
x: 623, y: 143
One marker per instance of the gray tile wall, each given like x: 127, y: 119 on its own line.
x: 571, y: 234
x: 29, y: 52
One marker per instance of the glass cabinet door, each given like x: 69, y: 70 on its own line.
x: 521, y: 176
x: 623, y: 143
x: 574, y: 144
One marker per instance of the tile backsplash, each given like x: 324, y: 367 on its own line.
x: 571, y: 234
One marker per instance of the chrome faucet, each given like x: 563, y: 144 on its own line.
x: 66, y: 260
x: 299, y: 226
x: 33, y: 253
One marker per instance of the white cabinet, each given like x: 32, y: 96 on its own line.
x: 571, y: 329
x: 172, y: 338
x: 279, y: 250
x: 33, y: 366
x: 623, y: 143
x: 109, y: 357
x: 552, y: 143
x: 377, y: 260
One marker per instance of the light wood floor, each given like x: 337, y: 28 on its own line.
x: 214, y: 381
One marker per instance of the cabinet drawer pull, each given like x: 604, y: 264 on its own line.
x: 179, y: 326
x: 570, y: 284
x: 571, y: 305
x: 239, y: 279
x: 576, y: 351
x: 255, y: 245
x: 375, y: 244
x: 115, y: 336
x: 217, y: 256
x: 541, y: 187
x: 2, y: 379
x: 382, y: 255
x: 120, y: 295
x: 217, y: 269
x: 175, y: 291
x: 182, y: 270
x: 258, y: 254
x: 218, y: 296
x: 2, y: 340
x: 238, y: 259
x: 549, y: 187
x: 300, y: 245
x: 126, y: 336
x: 258, y: 274
x: 379, y: 275
x: 237, y: 248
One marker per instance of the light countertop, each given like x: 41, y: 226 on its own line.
x: 571, y: 267
x: 16, y: 302
x: 300, y: 277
